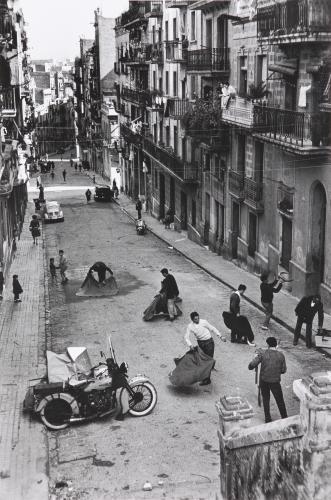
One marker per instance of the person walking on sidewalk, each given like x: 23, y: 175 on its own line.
x: 2, y: 281
x: 267, y: 294
x: 139, y: 208
x: 35, y: 229
x: 305, y: 311
x: 273, y: 365
x: 170, y: 288
x: 88, y: 195
x: 64, y: 174
x: 52, y: 267
x: 63, y: 266
x: 202, y: 331
x: 235, y: 307
x: 17, y: 289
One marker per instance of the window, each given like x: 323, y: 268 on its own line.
x: 193, y: 87
x: 167, y: 136
x: 156, y: 179
x: 219, y: 222
x: 153, y: 34
x: 242, y: 76
x: 175, y: 140
x: 155, y: 132
x: 160, y: 84
x: 252, y: 234
x: 194, y: 213
x: 261, y: 69
x: 174, y: 78
x: 167, y: 82
x: 184, y: 155
x: 206, y: 161
x: 241, y: 153
x: 154, y: 80
x: 183, y: 89
x: 184, y: 23
x: 166, y: 29
x: 192, y: 26
x: 161, y: 131
x: 258, y: 162
x: 174, y: 28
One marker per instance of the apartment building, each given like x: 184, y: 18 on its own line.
x: 225, y: 111
x: 15, y: 123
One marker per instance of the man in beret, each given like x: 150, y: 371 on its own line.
x: 273, y: 365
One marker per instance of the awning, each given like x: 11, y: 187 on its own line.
x: 286, y: 67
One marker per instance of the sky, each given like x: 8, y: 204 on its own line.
x: 54, y: 27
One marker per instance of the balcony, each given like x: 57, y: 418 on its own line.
x: 139, y: 97
x: 295, y: 21
x: 303, y: 133
x: 154, y: 9
x: 6, y: 25
x: 177, y: 4
x: 185, y: 171
x: 209, y: 60
x: 7, y: 102
x: 6, y: 181
x: 135, y: 55
x: 129, y: 135
x: 178, y: 107
x: 154, y: 53
x: 253, y: 193
x: 239, y: 111
x: 175, y: 52
x: 135, y: 15
x: 236, y: 184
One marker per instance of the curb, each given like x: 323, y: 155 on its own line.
x: 217, y: 278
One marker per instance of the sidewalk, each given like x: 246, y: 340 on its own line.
x: 23, y: 446
x: 221, y: 269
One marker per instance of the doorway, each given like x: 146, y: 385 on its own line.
x: 162, y: 196
x: 183, y: 210
x: 209, y: 34
x: 286, y: 243
x: 235, y: 228
x: 172, y: 194
x: 252, y: 234
x: 317, y: 244
x: 207, y: 220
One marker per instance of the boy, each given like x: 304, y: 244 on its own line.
x: 52, y: 267
x: 17, y: 289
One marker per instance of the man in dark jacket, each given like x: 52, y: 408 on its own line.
x: 235, y: 307
x: 267, y: 295
x: 305, y: 311
x: 273, y: 365
x: 170, y: 288
x: 139, y: 208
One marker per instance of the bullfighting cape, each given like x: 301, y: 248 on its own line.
x: 92, y: 288
x: 193, y: 367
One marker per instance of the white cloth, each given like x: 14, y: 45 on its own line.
x: 201, y: 331
x: 302, y: 103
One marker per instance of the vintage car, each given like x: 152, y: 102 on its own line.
x: 103, y: 193
x: 53, y: 212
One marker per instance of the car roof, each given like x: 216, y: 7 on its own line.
x: 51, y: 204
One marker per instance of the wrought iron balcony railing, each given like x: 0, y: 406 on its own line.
x: 238, y: 111
x: 7, y: 102
x: 187, y: 172
x: 138, y: 96
x: 208, y: 59
x: 178, y: 107
x: 294, y: 17
x: 129, y: 135
x: 154, y: 53
x: 174, y: 51
x: 253, y: 192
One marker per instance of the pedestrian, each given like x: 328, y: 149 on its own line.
x: 76, y: 167
x: 52, y: 175
x: 63, y: 266
x: 93, y: 179
x: 52, y: 267
x: 41, y: 193
x: 267, y: 294
x: 17, y: 289
x: 80, y: 167
x: 35, y: 229
x: 202, y: 331
x: 64, y: 173
x: 305, y: 311
x: 139, y: 208
x: 235, y: 307
x: 71, y: 162
x: 2, y: 281
x: 53, y: 165
x: 170, y: 289
x: 88, y: 195
x: 273, y: 365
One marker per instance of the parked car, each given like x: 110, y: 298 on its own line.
x: 53, y: 212
x: 103, y: 193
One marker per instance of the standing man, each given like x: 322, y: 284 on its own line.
x: 235, y: 307
x: 305, y: 311
x: 273, y: 365
x: 202, y: 331
x: 170, y: 288
x: 63, y: 266
x: 267, y: 295
x: 2, y: 281
x: 64, y: 173
x: 139, y: 208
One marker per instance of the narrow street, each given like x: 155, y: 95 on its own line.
x: 177, y: 444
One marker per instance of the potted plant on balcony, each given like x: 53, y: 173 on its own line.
x: 203, y: 116
x: 257, y: 92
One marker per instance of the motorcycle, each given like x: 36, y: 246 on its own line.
x: 140, y: 227
x: 75, y: 391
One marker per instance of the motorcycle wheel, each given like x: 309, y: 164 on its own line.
x: 56, y: 414
x: 148, y: 399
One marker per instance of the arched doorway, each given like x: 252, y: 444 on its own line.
x: 317, y: 239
